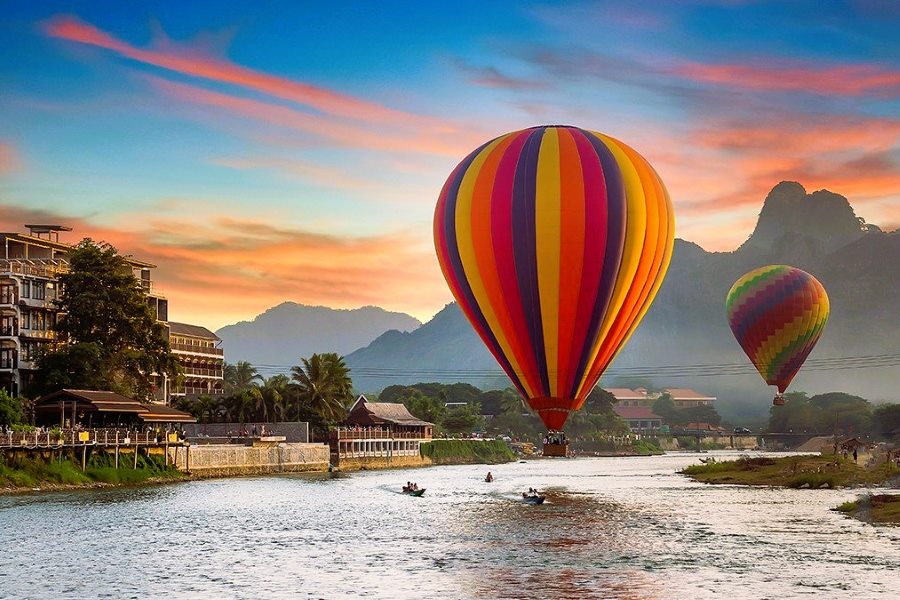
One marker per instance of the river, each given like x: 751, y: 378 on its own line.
x: 611, y: 528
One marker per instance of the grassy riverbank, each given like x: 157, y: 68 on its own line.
x: 26, y: 474
x: 459, y: 452
x: 883, y: 509
x: 792, y: 471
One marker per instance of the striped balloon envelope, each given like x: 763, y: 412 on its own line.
x: 554, y: 241
x: 777, y: 314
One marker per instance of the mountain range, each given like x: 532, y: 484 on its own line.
x: 277, y: 338
x: 858, y: 264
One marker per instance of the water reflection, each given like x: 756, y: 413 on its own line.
x: 610, y: 528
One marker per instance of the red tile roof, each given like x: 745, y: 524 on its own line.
x: 687, y: 394
x: 627, y: 394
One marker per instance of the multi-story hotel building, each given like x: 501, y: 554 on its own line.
x: 29, y: 269
x: 202, y: 360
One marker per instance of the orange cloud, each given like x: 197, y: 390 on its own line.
x: 219, y: 271
x: 853, y: 156
x: 842, y: 80
x: 195, y: 64
x: 9, y: 159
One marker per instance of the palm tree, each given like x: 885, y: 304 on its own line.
x: 274, y: 391
x: 240, y: 376
x: 324, y: 386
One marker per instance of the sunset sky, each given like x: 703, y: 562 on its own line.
x: 294, y: 151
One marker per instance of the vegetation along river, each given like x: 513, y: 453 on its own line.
x: 611, y: 528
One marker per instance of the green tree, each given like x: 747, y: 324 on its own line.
x: 240, y: 376
x: 461, y: 419
x: 888, y: 418
x: 324, y: 388
x: 276, y: 390
x: 422, y: 406
x: 664, y: 406
x: 112, y: 338
x: 11, y: 412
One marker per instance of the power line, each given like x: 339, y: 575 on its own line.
x: 663, y: 371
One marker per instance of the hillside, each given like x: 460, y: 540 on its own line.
x: 283, y: 333
x: 859, y: 265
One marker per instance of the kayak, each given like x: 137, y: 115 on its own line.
x: 414, y: 492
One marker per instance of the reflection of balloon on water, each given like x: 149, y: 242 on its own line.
x: 777, y: 314
x: 554, y: 241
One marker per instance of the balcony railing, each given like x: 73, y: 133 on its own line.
x: 197, y: 349
x: 9, y: 331
x: 195, y: 391
x: 37, y: 267
x: 376, y: 433
x: 39, y: 334
x: 8, y: 363
x: 219, y: 373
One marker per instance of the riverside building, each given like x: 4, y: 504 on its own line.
x: 30, y: 266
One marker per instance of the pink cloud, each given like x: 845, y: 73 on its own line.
x: 10, y: 161
x: 338, y: 132
x: 842, y: 80
x: 195, y: 64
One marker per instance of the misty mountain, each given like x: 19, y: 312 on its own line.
x: 858, y: 264
x: 284, y: 333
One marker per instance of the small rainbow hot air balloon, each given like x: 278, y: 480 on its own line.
x: 777, y: 314
x: 554, y: 241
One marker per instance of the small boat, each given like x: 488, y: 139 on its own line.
x: 533, y: 499
x: 416, y: 493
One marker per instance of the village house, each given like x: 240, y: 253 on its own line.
x: 378, y: 431
x: 639, y: 418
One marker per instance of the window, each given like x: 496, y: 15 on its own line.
x: 26, y: 319
x: 38, y: 290
x: 26, y: 289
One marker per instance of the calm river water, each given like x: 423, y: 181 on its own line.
x: 611, y: 528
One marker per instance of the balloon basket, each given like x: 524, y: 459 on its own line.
x: 778, y: 400
x: 560, y: 450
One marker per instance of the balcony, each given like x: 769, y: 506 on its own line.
x: 38, y: 334
x: 46, y: 267
x: 197, y: 349
x: 194, y: 371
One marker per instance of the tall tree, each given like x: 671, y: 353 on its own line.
x: 324, y: 388
x: 275, y: 391
x: 112, y: 340
x: 240, y: 376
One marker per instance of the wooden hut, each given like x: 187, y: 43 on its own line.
x: 93, y: 408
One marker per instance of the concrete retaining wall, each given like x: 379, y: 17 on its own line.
x: 376, y: 462
x: 226, y: 460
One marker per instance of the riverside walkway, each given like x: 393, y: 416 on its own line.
x: 109, y: 439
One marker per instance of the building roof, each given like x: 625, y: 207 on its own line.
x: 388, y: 412
x: 636, y: 412
x: 159, y: 413
x: 111, y: 402
x: 99, y: 400
x: 197, y: 331
x: 57, y: 245
x: 687, y: 394
x: 627, y: 394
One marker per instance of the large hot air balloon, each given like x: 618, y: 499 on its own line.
x: 554, y: 241
x: 777, y: 314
